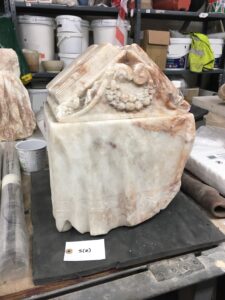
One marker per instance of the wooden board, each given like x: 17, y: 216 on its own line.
x: 182, y: 227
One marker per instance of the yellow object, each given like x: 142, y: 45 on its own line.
x: 26, y: 78
x: 201, y: 56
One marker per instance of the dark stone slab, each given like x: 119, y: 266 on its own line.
x: 182, y: 227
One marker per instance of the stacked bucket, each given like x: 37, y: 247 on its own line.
x: 72, y: 37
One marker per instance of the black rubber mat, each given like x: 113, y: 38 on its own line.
x: 198, y: 112
x: 182, y: 227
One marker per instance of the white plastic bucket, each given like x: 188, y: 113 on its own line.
x: 177, y: 53
x: 70, y: 42
x: 217, y: 47
x: 74, y: 24
x: 85, y: 33
x: 68, y: 23
x: 37, y: 33
x: 105, y: 31
x: 67, y: 58
x: 32, y: 154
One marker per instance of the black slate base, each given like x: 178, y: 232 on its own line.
x: 182, y: 227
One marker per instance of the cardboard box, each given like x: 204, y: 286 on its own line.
x: 172, y: 4
x: 156, y: 44
x: 146, y: 4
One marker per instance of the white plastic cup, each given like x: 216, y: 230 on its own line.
x: 32, y: 154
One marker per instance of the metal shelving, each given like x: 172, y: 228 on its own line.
x: 6, y: 6
x: 185, y: 72
x: 181, y: 15
x: 167, y: 72
x: 44, y: 75
x: 22, y: 7
x: 56, y: 9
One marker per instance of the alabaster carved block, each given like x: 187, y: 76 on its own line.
x: 16, y: 117
x: 119, y: 135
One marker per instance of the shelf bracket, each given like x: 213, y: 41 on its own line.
x: 13, y: 13
x: 137, y: 22
x: 6, y: 6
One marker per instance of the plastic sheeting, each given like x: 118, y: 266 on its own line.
x: 207, y: 159
x: 14, y: 250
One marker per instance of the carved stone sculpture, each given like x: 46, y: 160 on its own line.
x: 16, y: 117
x: 119, y: 134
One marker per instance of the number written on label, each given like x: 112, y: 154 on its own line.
x: 85, y: 250
x: 88, y: 250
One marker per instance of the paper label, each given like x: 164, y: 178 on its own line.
x: 176, y: 63
x: 85, y: 250
x: 203, y: 15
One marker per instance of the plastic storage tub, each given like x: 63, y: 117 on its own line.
x: 105, y: 31
x: 177, y: 53
x: 67, y: 58
x: 37, y: 98
x: 68, y: 23
x: 37, y: 33
x: 73, y: 24
x: 217, y: 47
x: 85, y: 27
x: 69, y: 42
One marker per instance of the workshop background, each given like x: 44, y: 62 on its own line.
x: 74, y: 216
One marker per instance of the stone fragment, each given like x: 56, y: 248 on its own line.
x: 114, y: 162
x: 16, y: 117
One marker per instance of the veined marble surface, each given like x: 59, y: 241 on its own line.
x: 17, y: 119
x: 113, y: 164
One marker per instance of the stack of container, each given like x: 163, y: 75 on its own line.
x: 72, y: 37
x: 104, y: 31
x: 179, y: 48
